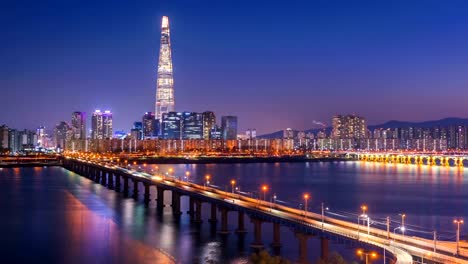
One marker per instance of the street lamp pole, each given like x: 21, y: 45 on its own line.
x: 306, y: 198
x: 458, y: 222
x: 233, y: 182
x: 323, y: 214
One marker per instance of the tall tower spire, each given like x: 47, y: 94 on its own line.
x: 165, y: 83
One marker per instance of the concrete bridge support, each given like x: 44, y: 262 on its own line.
x: 302, y: 239
x: 104, y: 177
x: 117, y: 182
x: 198, y: 211
x: 125, y: 188
x: 213, y: 218
x: 324, y: 247
x: 135, y: 189
x: 224, y: 221
x: 146, y: 196
x: 276, y: 237
x: 176, y: 203
x: 191, y: 210
x: 110, y: 180
x: 257, y: 233
x: 240, y: 223
x: 160, y: 198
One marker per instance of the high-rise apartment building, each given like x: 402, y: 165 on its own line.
x: 165, y: 102
x: 229, y: 127
x: 209, y: 122
x: 78, y: 125
x: 101, y: 125
x: 349, y: 127
x: 60, y: 134
x: 3, y: 137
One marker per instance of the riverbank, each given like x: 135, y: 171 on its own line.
x: 229, y: 160
x: 29, y: 164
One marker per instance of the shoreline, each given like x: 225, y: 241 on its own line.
x: 231, y: 160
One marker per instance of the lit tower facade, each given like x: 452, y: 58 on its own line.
x: 165, y: 84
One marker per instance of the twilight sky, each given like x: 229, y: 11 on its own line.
x: 274, y: 64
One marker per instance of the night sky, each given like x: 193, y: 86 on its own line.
x: 274, y: 64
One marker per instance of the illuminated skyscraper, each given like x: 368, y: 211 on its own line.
x: 209, y: 122
x: 165, y: 83
x: 229, y: 127
x: 78, y: 125
x: 101, y: 125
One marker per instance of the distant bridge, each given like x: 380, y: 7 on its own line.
x: 305, y: 225
x: 421, y: 158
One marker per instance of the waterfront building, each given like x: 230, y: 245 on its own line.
x: 349, y: 127
x: 192, y: 125
x: 216, y: 133
x: 171, y: 125
x: 209, y: 121
x: 137, y: 131
x: 4, y: 138
x: 101, y: 125
x: 251, y: 133
x: 13, y: 140
x: 78, y: 125
x: 149, y: 126
x: 229, y: 127
x: 60, y: 135
x: 165, y: 102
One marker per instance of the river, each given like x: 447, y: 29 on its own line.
x: 56, y: 216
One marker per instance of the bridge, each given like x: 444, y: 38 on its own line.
x: 305, y: 225
x: 420, y: 158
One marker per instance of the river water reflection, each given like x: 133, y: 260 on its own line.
x: 56, y: 216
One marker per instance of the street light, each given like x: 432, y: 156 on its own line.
x: 403, y: 224
x: 361, y: 253
x: 187, y: 174
x: 306, y: 198
x: 458, y: 222
x: 233, y: 183
x: 264, y: 189
x: 207, y: 178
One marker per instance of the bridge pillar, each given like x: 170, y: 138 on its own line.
x: 96, y: 176
x: 198, y: 205
x: 324, y: 248
x: 125, y: 188
x: 147, y: 193
x: 302, y: 239
x: 276, y: 236
x: 160, y: 198
x: 191, y: 210
x: 135, y: 189
x: 257, y: 233
x: 117, y: 182
x: 104, y: 177
x: 240, y: 223
x: 224, y: 221
x: 176, y: 203
x: 213, y: 219
x: 110, y: 180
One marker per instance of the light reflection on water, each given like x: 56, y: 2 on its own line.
x: 65, y: 218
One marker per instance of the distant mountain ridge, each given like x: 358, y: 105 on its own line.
x: 449, y: 121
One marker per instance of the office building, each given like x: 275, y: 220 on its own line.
x: 149, y: 126
x: 165, y: 102
x: 209, y: 122
x: 229, y: 127
x: 171, y: 125
x: 192, y: 125
x: 60, y: 134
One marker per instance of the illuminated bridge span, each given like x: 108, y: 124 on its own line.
x: 305, y: 225
x: 412, y: 158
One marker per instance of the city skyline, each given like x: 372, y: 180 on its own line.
x: 381, y: 71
